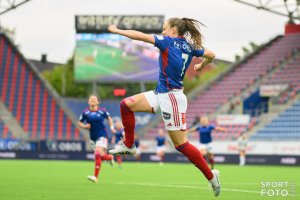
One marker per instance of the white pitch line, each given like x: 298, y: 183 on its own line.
x: 223, y: 183
x: 186, y: 186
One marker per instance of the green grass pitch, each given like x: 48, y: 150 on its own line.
x: 63, y: 180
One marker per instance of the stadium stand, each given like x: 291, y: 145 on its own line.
x: 243, y: 76
x: 26, y: 96
x: 285, y: 127
x: 289, y: 74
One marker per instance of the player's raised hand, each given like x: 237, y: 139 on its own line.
x: 199, y: 67
x: 112, y: 28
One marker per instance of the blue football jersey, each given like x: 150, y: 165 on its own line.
x: 96, y: 120
x: 160, y: 141
x: 137, y: 143
x: 175, y: 57
x: 119, y: 136
x: 205, y: 133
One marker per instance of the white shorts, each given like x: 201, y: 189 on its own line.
x: 161, y: 149
x: 173, y: 106
x: 138, y: 151
x: 242, y: 148
x: 101, y: 142
x: 207, y: 147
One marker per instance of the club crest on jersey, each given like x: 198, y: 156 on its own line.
x: 166, y: 115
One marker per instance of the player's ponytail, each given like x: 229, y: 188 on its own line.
x: 193, y: 34
x: 188, y: 28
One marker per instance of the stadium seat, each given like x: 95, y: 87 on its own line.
x: 24, y: 94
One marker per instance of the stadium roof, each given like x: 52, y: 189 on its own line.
x: 7, y: 5
x: 286, y: 8
x: 43, y: 65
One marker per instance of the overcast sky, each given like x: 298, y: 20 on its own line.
x: 48, y: 26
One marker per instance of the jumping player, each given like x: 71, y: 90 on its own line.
x: 92, y: 118
x: 205, y: 139
x: 179, y: 42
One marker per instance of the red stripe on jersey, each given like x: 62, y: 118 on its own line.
x: 175, y: 122
x: 176, y: 107
x: 174, y: 110
x: 165, y: 61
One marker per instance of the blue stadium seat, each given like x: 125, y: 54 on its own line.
x: 285, y: 127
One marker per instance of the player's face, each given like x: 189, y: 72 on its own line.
x: 119, y: 125
x: 204, y: 121
x: 93, y: 100
x: 167, y: 31
x: 161, y: 132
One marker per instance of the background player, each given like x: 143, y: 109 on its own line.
x: 161, y: 143
x: 138, y: 147
x: 92, y: 118
x: 118, y: 139
x: 242, y: 145
x: 205, y: 138
x: 180, y: 41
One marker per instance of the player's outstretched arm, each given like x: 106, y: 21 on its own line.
x: 191, y: 130
x: 132, y: 34
x: 209, y: 56
x: 219, y: 128
x: 111, y: 125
